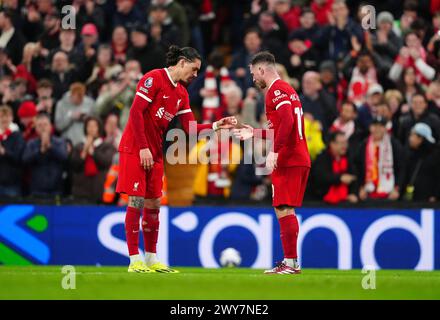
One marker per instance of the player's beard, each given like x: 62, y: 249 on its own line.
x: 260, y: 84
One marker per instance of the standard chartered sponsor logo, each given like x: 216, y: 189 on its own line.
x: 261, y: 228
x: 22, y: 244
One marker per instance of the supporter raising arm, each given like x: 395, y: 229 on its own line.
x: 414, y: 55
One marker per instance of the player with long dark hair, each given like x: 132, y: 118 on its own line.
x: 160, y: 96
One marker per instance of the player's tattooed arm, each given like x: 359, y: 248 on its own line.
x: 225, y: 123
x: 136, y: 202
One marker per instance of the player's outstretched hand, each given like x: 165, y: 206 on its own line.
x: 271, y: 161
x: 146, y: 158
x: 244, y: 133
x: 225, y: 123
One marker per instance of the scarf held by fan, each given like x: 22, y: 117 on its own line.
x: 379, y: 163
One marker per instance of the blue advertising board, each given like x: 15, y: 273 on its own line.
x: 195, y: 236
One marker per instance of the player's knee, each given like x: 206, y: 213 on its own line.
x: 283, y: 211
x: 152, y: 203
x: 136, y: 202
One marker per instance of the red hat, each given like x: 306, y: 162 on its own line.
x: 89, y: 29
x: 27, y: 109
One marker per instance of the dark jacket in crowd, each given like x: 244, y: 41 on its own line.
x: 407, y: 121
x: 422, y: 171
x: 50, y: 41
x: 90, y: 188
x: 323, y: 109
x: 170, y: 35
x: 360, y: 165
x: 274, y: 40
x: 323, y: 177
x: 242, y: 59
x: 97, y: 17
x: 432, y: 108
x: 389, y: 50
x: 150, y: 57
x: 309, y: 62
x: 312, y: 33
x: 46, y: 168
x: 61, y: 81
x: 76, y: 57
x: 14, y: 48
x: 10, y: 162
x: 245, y: 180
x: 364, y: 118
x: 335, y: 43
x: 32, y: 30
x: 133, y: 18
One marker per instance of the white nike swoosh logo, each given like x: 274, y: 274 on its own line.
x: 166, y: 97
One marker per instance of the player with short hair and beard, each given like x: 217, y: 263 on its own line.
x: 160, y: 96
x: 289, y: 161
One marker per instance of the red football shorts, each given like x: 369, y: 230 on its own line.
x: 289, y: 185
x: 134, y: 180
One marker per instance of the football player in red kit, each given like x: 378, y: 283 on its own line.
x: 160, y: 96
x: 289, y: 161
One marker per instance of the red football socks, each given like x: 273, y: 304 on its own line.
x: 150, y: 229
x: 132, y: 230
x: 289, y: 235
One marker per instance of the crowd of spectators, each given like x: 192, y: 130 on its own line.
x: 370, y: 91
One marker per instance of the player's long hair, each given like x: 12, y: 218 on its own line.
x: 175, y: 53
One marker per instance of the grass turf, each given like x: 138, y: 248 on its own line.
x: 44, y: 282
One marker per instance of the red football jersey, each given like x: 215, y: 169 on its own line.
x: 290, y: 142
x: 157, y: 101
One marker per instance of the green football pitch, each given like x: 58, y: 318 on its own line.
x: 38, y: 282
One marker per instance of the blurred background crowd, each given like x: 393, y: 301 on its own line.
x: 370, y: 96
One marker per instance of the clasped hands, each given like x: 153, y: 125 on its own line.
x: 240, y: 131
x: 245, y: 132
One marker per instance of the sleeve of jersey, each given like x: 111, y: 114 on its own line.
x: 285, y: 126
x: 145, y: 93
x: 186, y: 117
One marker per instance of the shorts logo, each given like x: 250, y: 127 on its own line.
x: 135, y: 187
x: 160, y: 112
x: 277, y: 93
x: 148, y: 83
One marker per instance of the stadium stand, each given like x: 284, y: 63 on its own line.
x: 370, y: 94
